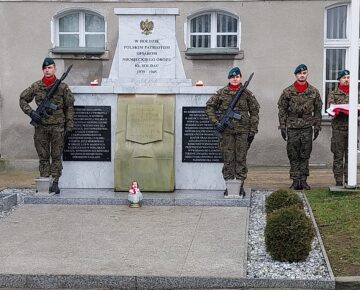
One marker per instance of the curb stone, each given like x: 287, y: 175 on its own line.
x: 347, y: 283
x: 317, y: 231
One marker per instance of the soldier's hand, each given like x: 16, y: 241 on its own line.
x: 35, y: 117
x: 342, y: 114
x: 219, y: 127
x: 250, y: 137
x: 284, y: 133
x: 316, y: 133
x: 68, y: 131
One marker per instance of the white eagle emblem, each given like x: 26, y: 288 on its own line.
x: 146, y: 26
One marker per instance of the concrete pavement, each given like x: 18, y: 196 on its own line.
x: 109, y: 240
x: 143, y: 245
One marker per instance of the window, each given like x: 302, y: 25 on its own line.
x: 79, y: 31
x: 214, y: 30
x: 336, y: 45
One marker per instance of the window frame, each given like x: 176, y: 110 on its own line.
x: 213, y: 49
x: 335, y: 44
x: 82, y: 48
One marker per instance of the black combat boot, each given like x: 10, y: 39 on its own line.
x: 305, y: 185
x: 225, y: 193
x: 339, y: 183
x: 295, y: 184
x: 242, y: 190
x: 55, y: 187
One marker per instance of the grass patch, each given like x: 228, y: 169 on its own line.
x: 338, y: 218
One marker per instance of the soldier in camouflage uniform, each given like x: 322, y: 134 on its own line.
x: 340, y: 126
x: 299, y: 111
x: 49, y: 135
x: 235, y: 141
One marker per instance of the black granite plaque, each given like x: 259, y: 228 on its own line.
x: 91, y: 138
x: 199, y: 140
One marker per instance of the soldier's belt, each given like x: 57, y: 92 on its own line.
x: 300, y: 115
x: 300, y: 128
x: 52, y: 125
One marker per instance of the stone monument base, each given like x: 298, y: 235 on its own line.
x: 42, y: 185
x: 233, y: 188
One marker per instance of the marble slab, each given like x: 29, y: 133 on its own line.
x: 92, y: 174
x: 194, y: 175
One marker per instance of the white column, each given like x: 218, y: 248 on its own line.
x: 353, y: 101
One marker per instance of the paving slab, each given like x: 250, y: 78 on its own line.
x: 64, y: 246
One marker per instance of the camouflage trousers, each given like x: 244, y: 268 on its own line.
x: 339, y: 148
x: 234, y: 148
x: 299, y: 147
x: 49, y: 143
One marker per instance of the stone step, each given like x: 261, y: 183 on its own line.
x: 152, y: 282
x: 109, y: 197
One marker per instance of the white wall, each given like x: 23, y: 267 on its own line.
x: 276, y: 36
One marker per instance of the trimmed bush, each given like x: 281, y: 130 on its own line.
x: 282, y: 198
x: 288, y: 234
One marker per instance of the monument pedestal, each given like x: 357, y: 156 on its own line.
x: 42, y: 185
x: 195, y: 175
x: 233, y: 188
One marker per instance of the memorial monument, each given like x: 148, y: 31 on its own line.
x: 151, y: 125
x: 146, y: 56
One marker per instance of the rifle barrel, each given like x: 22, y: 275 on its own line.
x: 66, y: 73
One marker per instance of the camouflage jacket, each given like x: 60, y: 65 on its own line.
x: 247, y: 106
x: 63, y: 98
x: 300, y: 110
x: 340, y: 122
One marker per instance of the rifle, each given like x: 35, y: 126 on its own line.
x: 229, y: 113
x: 46, y: 103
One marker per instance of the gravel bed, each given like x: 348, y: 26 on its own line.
x: 261, y: 265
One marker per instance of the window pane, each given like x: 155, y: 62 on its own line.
x: 201, y: 23
x: 226, y: 41
x: 200, y: 40
x: 226, y: 23
x: 69, y: 40
x: 94, y: 23
x: 69, y: 23
x: 335, y: 62
x: 336, y: 22
x: 328, y: 88
x: 96, y: 40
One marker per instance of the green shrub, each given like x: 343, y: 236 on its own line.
x: 288, y: 234
x: 282, y: 198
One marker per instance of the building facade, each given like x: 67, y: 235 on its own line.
x: 269, y: 38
